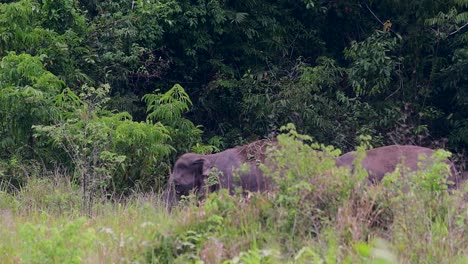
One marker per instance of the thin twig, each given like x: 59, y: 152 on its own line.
x: 368, y: 8
x: 380, y: 21
x: 454, y: 32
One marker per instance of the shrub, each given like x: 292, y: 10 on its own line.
x: 310, y: 190
x: 109, y: 151
x: 427, y: 223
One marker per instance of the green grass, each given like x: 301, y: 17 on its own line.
x: 317, y: 214
x: 35, y: 228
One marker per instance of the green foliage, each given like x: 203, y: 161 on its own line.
x: 66, y: 243
x: 451, y: 78
x: 187, y: 240
x: 42, y: 194
x: 7, y: 201
x: 253, y: 256
x: 377, y: 252
x: 127, y: 42
x: 109, y: 151
x: 168, y: 109
x: 308, y: 188
x: 15, y: 21
x: 373, y: 66
x: 149, y: 147
x: 423, y: 224
x: 419, y: 202
x: 62, y: 16
x: 168, y: 106
x: 50, y: 29
x: 248, y: 67
x: 15, y: 171
x: 335, y: 219
x: 252, y: 66
x: 27, y: 91
x: 310, y: 97
x: 290, y: 71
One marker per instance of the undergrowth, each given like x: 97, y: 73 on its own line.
x: 316, y: 214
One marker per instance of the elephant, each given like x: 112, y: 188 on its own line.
x: 383, y: 160
x: 191, y: 172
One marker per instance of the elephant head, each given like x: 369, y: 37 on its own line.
x: 189, y: 173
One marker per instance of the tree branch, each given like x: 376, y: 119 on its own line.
x: 454, y: 32
x: 368, y: 8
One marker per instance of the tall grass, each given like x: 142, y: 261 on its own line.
x: 317, y: 214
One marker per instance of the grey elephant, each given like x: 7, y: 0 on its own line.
x: 383, y: 160
x: 234, y: 167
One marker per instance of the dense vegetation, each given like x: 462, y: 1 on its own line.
x: 318, y: 214
x: 97, y: 99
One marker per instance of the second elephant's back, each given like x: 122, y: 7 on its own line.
x: 383, y: 160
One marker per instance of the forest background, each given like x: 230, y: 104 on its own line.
x: 98, y: 98
x: 116, y: 90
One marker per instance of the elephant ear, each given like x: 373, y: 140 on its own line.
x: 203, y: 167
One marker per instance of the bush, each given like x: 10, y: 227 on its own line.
x: 310, y: 190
